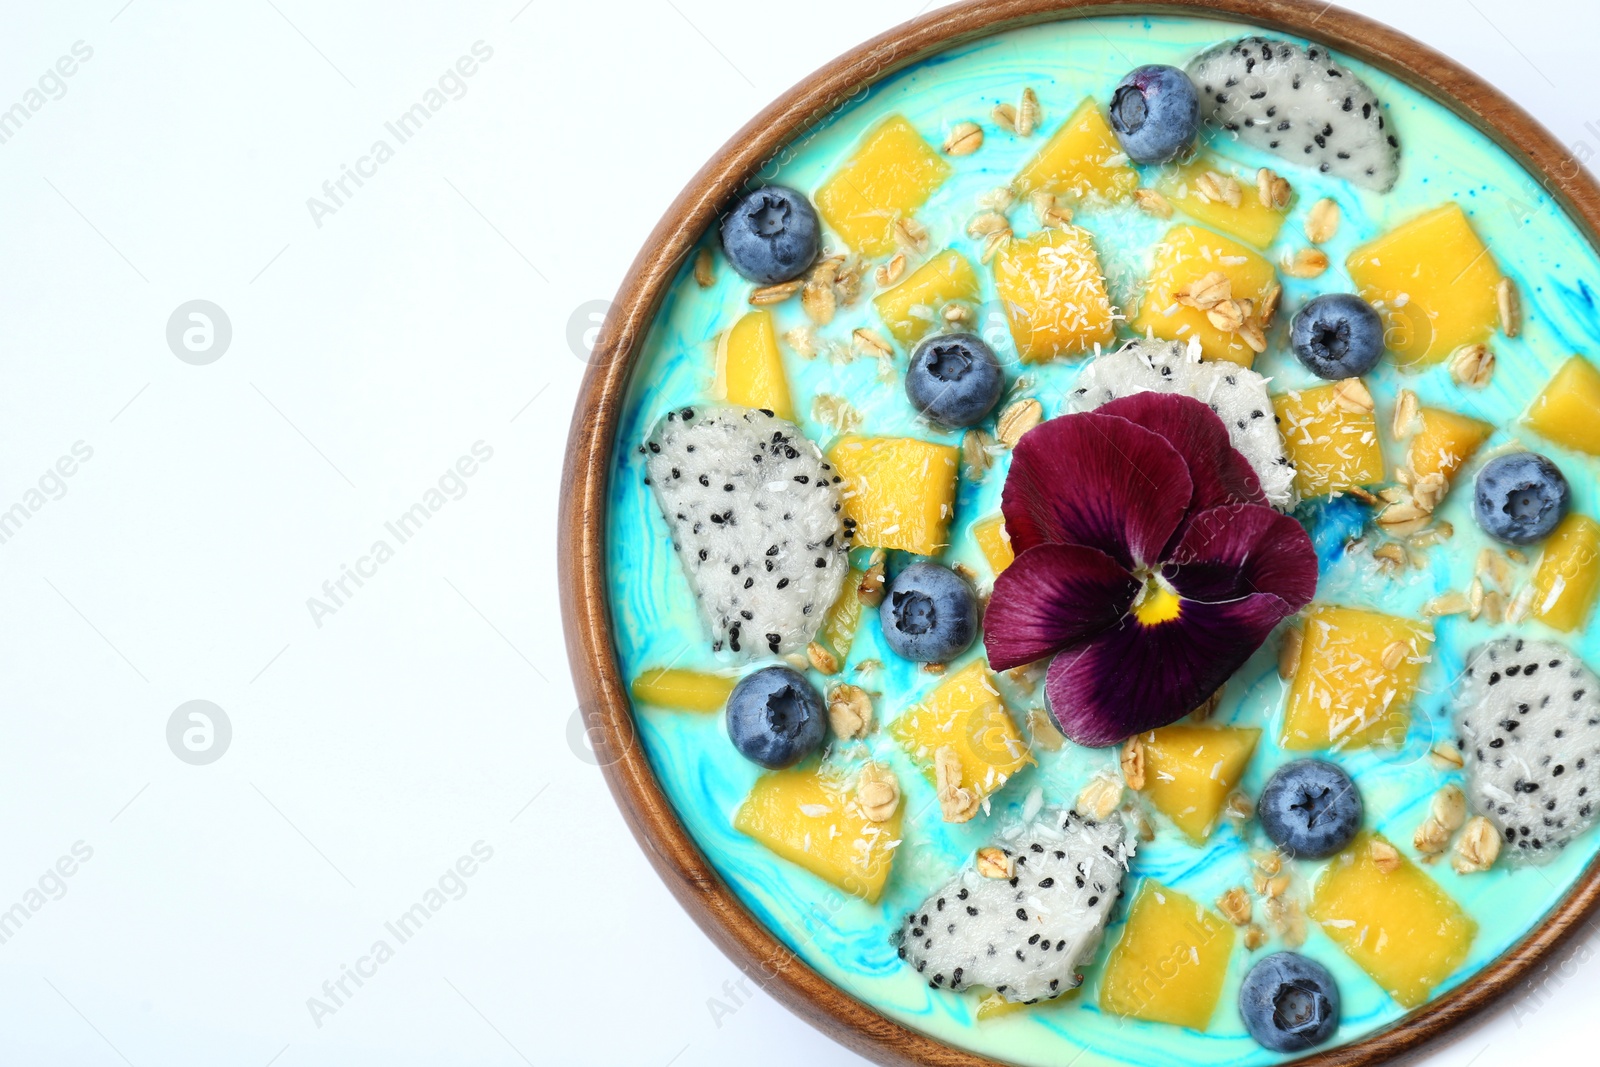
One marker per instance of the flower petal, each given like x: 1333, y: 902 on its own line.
x: 1135, y: 677
x: 1050, y: 597
x: 1220, y: 473
x: 1096, y: 480
x: 1231, y: 552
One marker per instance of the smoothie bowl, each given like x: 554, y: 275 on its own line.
x: 1080, y: 540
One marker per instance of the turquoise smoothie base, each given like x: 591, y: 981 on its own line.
x: 656, y: 621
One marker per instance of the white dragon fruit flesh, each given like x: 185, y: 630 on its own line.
x: 1299, y: 103
x: 1528, y: 713
x: 1237, y: 394
x: 1025, y: 936
x: 756, y: 520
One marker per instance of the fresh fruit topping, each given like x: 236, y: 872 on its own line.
x: 1208, y: 191
x: 995, y: 543
x: 930, y: 614
x: 1205, y: 286
x: 1289, y: 1002
x: 771, y: 235
x: 1145, y: 549
x: 946, y: 277
x: 1391, y: 918
x: 810, y: 817
x: 954, y: 379
x: 1054, y: 294
x: 1356, y: 675
x: 870, y: 200
x: 1330, y: 434
x: 674, y: 687
x: 1526, y: 712
x: 1566, y: 580
x: 1025, y: 935
x: 1190, y: 770
x: 1082, y: 160
x: 1155, y: 112
x: 755, y: 515
x: 1444, y: 441
x: 1169, y: 935
x: 1310, y: 808
x: 776, y: 717
x: 1237, y: 394
x: 1298, y: 103
x: 1337, y: 335
x: 964, y: 739
x: 749, y: 367
x: 1565, y: 408
x: 1520, y: 497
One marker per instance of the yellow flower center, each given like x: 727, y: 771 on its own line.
x: 1157, y: 603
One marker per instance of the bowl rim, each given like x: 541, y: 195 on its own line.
x: 604, y: 706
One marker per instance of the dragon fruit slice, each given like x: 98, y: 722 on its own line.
x: 1529, y: 717
x: 1024, y: 936
x: 1237, y: 394
x: 1300, y: 104
x: 756, y: 520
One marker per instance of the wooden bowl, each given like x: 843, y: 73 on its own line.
x: 582, y: 558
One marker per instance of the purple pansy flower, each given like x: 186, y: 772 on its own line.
x: 1147, y: 563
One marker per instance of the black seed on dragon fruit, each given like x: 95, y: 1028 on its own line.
x: 1026, y: 937
x: 1300, y: 104
x: 753, y: 509
x: 1528, y: 713
x: 1237, y: 394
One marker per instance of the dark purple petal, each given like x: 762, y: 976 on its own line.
x: 1136, y: 677
x: 1050, y: 597
x: 1231, y: 552
x: 1096, y: 480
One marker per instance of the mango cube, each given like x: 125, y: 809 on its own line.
x: 750, y: 368
x: 839, y: 627
x: 1434, y: 282
x: 1185, y: 255
x: 1190, y: 770
x: 1568, y: 576
x: 671, y: 687
x: 996, y: 1006
x: 1395, y: 924
x: 1567, y: 410
x: 947, y: 276
x: 900, y: 491
x: 1081, y: 159
x: 1358, y: 672
x: 1054, y: 294
x: 1193, y: 190
x: 1444, y: 441
x: 811, y: 818
x: 888, y: 178
x: 994, y: 542
x: 966, y: 713
x: 1332, y: 442
x: 1170, y: 962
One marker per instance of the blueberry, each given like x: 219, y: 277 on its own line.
x: 1337, y: 335
x: 929, y: 614
x: 771, y: 235
x: 775, y: 717
x: 1520, y: 497
x: 1289, y: 1002
x: 954, y: 379
x: 1310, y: 808
x: 1155, y: 112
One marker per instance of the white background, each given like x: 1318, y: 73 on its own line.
x: 432, y: 709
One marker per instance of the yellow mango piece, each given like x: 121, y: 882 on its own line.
x: 1081, y: 159
x: 750, y: 368
x: 995, y: 543
x: 1249, y: 220
x: 1190, y: 770
x: 671, y: 687
x: 1054, y: 294
x: 947, y: 276
x: 1170, y: 962
x: 811, y: 818
x: 1567, y: 410
x: 1333, y: 445
x: 900, y: 491
x: 839, y: 628
x: 1435, y: 282
x: 1444, y: 441
x: 1358, y: 672
x: 1568, y: 576
x: 1397, y: 925
x: 965, y: 712
x: 996, y: 1006
x: 1185, y: 255
x: 887, y: 178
